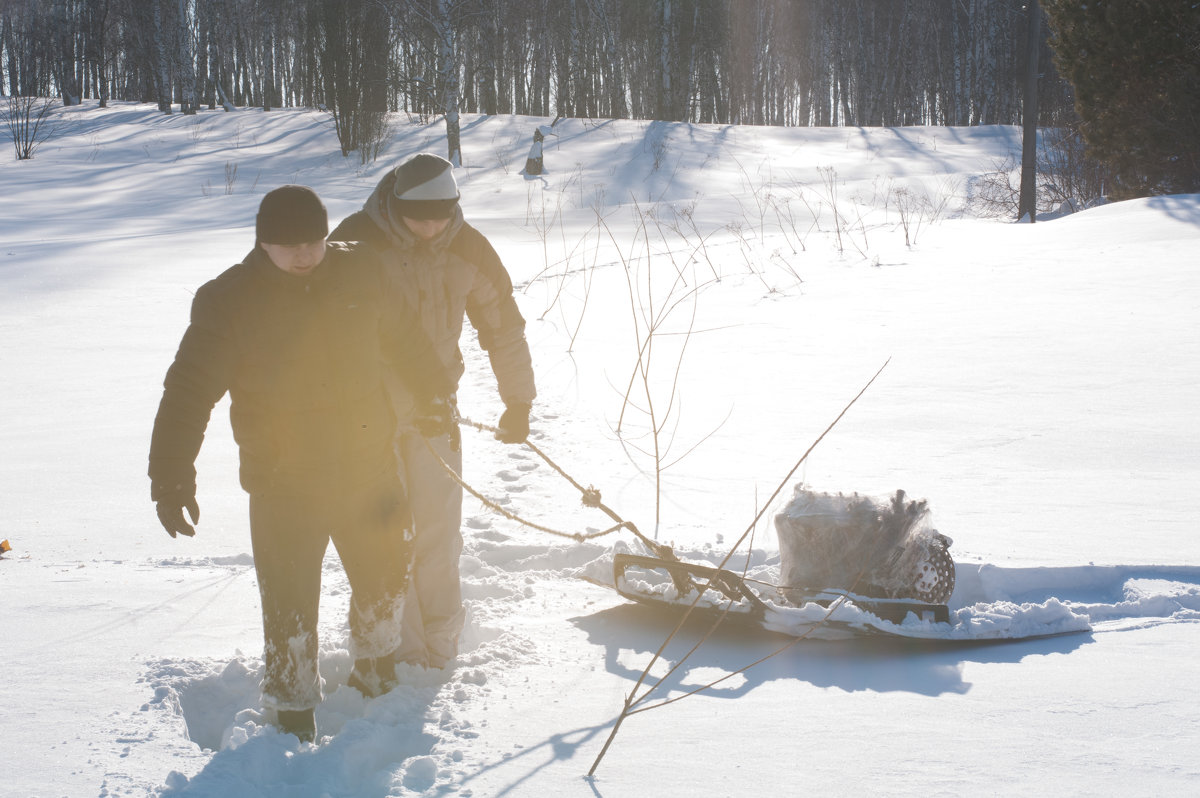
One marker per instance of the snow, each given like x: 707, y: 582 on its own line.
x: 1041, y: 394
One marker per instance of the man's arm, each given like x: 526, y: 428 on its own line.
x: 196, y: 380
x: 493, y: 313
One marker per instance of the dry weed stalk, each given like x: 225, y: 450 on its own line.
x: 650, y: 311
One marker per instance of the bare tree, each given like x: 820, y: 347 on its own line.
x: 441, y: 22
x: 353, y: 63
x: 612, y: 70
x: 64, y: 18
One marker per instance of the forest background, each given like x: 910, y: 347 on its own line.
x: 1129, y: 85
x: 761, y: 62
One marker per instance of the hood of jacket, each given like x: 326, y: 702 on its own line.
x: 398, y: 234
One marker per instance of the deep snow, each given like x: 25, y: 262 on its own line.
x: 1041, y: 395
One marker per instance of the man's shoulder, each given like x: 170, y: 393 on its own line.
x: 231, y: 280
x: 350, y: 255
x: 469, y: 237
x: 338, y: 250
x: 352, y: 266
x: 474, y: 247
x: 358, y: 226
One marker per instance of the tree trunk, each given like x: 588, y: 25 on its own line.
x: 665, y: 62
x: 1028, y: 200
x: 6, y: 37
x: 268, y: 67
x: 65, y: 52
x: 186, y: 65
x: 162, y: 77
x: 376, y: 41
x: 486, y: 72
x: 448, y: 78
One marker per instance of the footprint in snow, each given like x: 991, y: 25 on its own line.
x: 511, y: 478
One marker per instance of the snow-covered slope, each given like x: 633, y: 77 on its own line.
x: 1040, y: 394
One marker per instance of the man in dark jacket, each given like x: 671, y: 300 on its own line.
x: 298, y: 337
x: 446, y: 270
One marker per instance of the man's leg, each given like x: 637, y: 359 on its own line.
x: 433, y: 617
x: 373, y: 539
x: 289, y: 541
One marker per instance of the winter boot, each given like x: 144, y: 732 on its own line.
x: 299, y: 722
x: 373, y: 676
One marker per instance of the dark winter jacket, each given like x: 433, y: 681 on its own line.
x: 456, y: 273
x: 302, y: 360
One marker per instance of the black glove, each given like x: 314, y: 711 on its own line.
x: 513, y: 426
x: 434, y: 418
x: 170, y: 514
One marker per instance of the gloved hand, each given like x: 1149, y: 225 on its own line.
x: 513, y: 426
x: 170, y: 514
x: 434, y: 418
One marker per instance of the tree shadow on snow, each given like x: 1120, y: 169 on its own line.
x: 1183, y: 207
x: 557, y: 747
x: 630, y: 634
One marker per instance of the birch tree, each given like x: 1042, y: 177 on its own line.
x: 162, y: 65
x: 448, y: 74
x: 185, y: 65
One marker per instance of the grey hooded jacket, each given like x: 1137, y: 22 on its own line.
x: 456, y: 274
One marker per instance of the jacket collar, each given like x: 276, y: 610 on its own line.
x: 264, y: 268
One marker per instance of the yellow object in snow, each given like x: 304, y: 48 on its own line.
x: 4, y: 546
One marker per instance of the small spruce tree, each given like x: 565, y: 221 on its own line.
x: 1135, y: 69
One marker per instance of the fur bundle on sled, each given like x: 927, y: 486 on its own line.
x: 873, y: 547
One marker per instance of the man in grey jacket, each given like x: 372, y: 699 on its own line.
x: 446, y: 270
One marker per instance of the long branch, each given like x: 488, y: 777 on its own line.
x: 633, y: 697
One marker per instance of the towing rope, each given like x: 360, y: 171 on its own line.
x: 589, y: 496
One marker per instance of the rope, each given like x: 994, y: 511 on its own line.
x: 590, y: 497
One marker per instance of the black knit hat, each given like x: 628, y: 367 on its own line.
x: 424, y: 188
x: 291, y: 215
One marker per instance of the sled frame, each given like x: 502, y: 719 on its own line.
x: 689, y: 577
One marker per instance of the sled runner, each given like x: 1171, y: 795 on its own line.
x: 723, y: 593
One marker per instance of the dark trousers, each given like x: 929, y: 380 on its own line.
x: 371, y: 529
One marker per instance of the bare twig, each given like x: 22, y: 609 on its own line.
x: 28, y: 122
